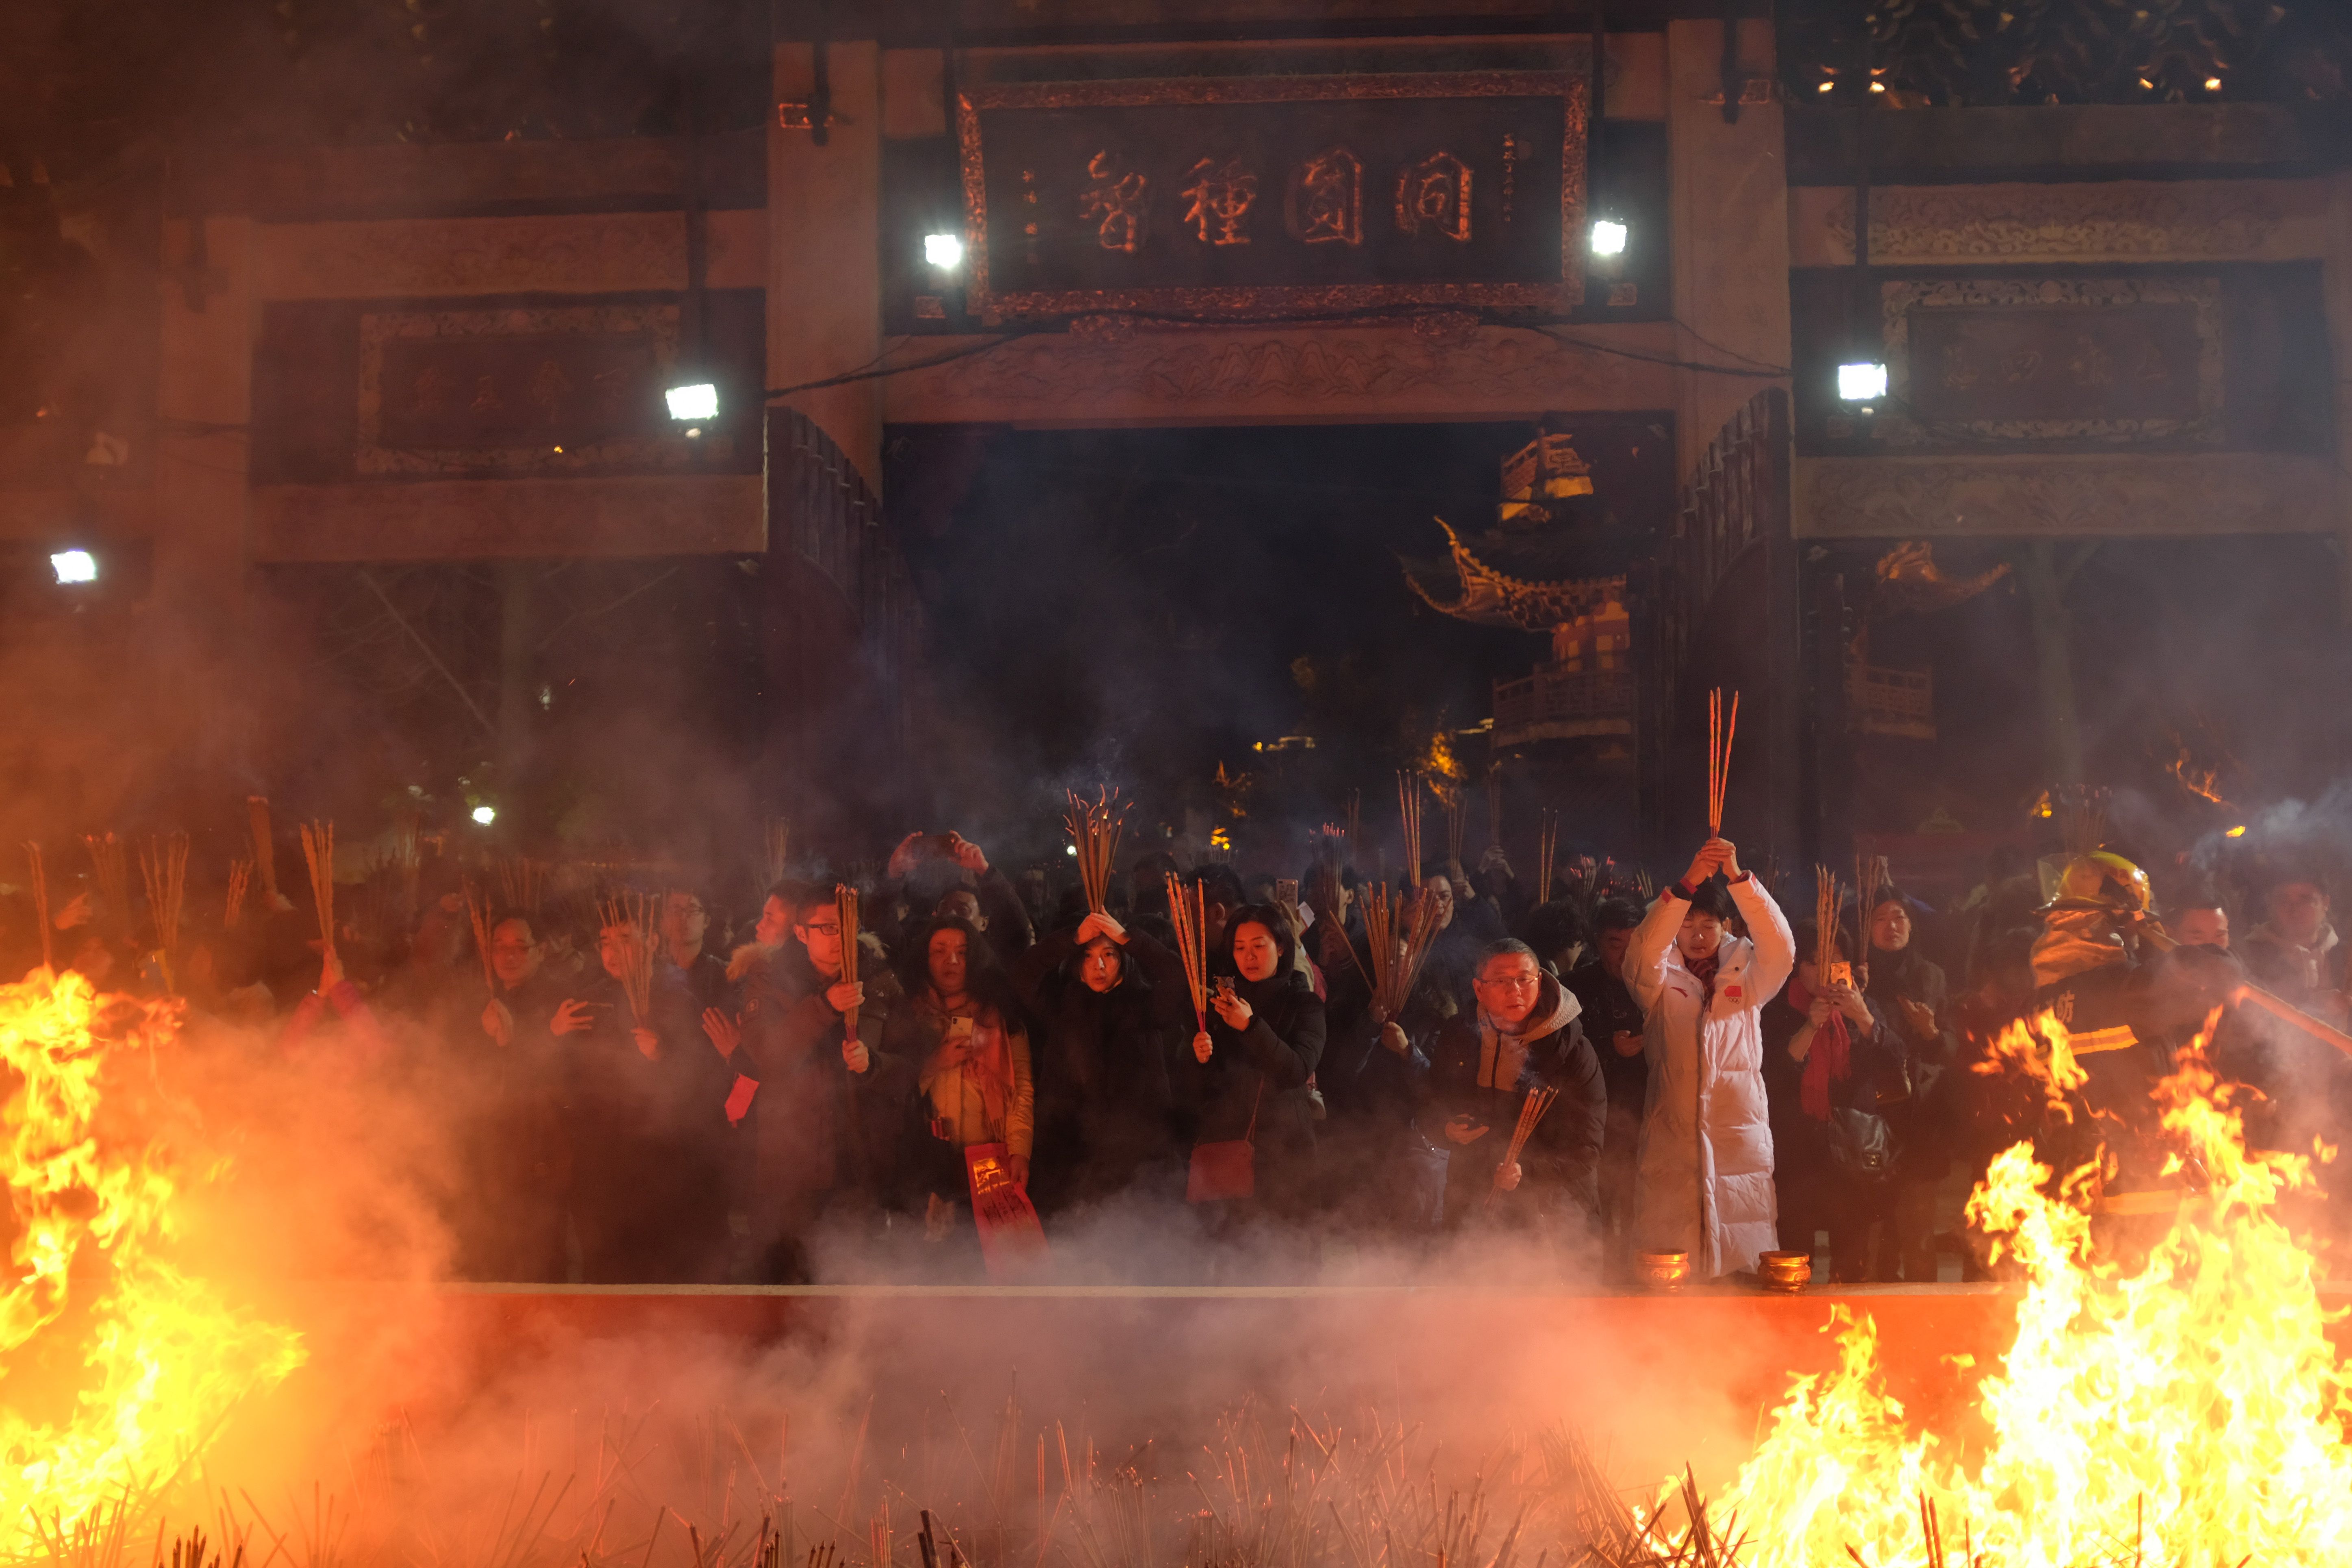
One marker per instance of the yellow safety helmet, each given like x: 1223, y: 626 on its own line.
x: 2099, y: 880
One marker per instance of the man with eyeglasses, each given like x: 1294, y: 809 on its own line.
x: 685, y: 924
x: 828, y: 1106
x: 1523, y: 1035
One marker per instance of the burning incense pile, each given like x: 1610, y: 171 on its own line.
x: 1188, y: 911
x: 635, y: 913
x: 844, y: 904
x: 1398, y: 937
x: 319, y: 852
x: 163, y: 866
x: 264, y: 846
x: 108, y: 868
x: 1409, y: 812
x: 1094, y: 830
x: 1531, y: 1112
x: 1719, y: 731
x: 41, y: 904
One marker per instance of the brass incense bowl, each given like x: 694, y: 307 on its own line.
x: 1785, y: 1271
x: 1663, y: 1271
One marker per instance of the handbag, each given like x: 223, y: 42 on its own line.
x: 1860, y: 1145
x: 1228, y: 1168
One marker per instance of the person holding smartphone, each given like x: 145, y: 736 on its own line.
x: 964, y: 1029
x: 1248, y: 1070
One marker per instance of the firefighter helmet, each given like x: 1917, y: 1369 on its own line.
x: 2098, y: 880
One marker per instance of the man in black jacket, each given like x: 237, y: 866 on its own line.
x: 1524, y: 1035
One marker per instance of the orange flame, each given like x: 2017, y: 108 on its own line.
x: 2193, y: 1410
x: 165, y: 1359
x: 2201, y: 782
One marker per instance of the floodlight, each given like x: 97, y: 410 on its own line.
x: 1863, y: 382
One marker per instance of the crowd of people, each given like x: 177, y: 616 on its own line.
x: 824, y: 1074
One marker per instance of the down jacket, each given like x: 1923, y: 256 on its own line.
x: 1705, y: 1182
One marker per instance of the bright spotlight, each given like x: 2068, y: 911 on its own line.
x: 1863, y: 382
x: 485, y: 815
x: 944, y: 251
x: 697, y: 401
x: 1069, y: 849
x: 74, y: 566
x: 1608, y: 237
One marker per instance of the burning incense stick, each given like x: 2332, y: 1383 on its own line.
x: 264, y: 846
x: 240, y: 878
x: 1354, y: 820
x: 113, y: 879
x: 778, y: 843
x: 477, y: 912
x: 523, y: 881
x: 1094, y: 831
x: 1546, y: 854
x: 1398, y: 937
x: 41, y: 903
x: 1188, y: 911
x: 634, y: 911
x: 1531, y: 1111
x: 1409, y: 811
x: 1720, y: 729
x: 163, y: 867
x: 319, y: 854
x: 1827, y: 897
x: 844, y: 903
x: 1455, y: 812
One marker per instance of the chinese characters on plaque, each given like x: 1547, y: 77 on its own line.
x: 1243, y: 196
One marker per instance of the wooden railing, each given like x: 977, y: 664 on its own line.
x: 1557, y: 704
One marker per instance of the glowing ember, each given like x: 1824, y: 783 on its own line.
x: 2190, y: 1411
x: 165, y: 1359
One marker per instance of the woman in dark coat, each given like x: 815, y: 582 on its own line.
x: 1827, y: 1056
x: 1248, y: 1072
x: 1106, y: 1006
x: 1907, y: 990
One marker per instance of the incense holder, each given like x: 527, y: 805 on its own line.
x: 1666, y: 1272
x: 1786, y: 1273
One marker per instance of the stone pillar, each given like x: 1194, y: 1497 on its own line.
x: 825, y: 280
x: 1730, y: 206
x: 2336, y: 289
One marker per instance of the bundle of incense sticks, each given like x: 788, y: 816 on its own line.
x: 478, y: 910
x: 41, y: 903
x: 1494, y: 806
x: 264, y: 846
x: 1398, y: 937
x: 1095, y: 828
x: 319, y: 854
x: 1187, y: 910
x: 635, y: 913
x: 1455, y: 812
x: 1720, y: 727
x: 1531, y: 1111
x: 523, y: 881
x: 163, y: 867
x: 1409, y: 810
x: 779, y: 845
x: 1827, y: 897
x: 106, y: 863
x: 1546, y: 854
x: 240, y: 879
x: 844, y: 904
x: 1869, y: 876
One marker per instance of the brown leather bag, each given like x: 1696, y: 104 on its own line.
x: 1228, y: 1168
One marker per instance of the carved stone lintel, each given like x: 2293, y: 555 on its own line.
x: 2127, y: 221
x: 2091, y: 496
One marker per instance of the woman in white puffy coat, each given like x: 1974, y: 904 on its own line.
x: 1705, y: 1173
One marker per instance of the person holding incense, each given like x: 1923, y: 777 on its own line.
x: 1909, y: 991
x: 512, y: 1227
x: 1247, y: 1071
x: 644, y: 1111
x: 1108, y: 1003
x: 1523, y: 1036
x: 1829, y: 1055
x: 1705, y: 1178
x: 963, y: 1030
x: 825, y: 1103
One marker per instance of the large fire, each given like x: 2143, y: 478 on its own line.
x: 2186, y: 1410
x: 163, y: 1359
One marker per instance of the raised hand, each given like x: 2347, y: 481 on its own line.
x: 843, y: 995
x: 570, y: 1018
x: 904, y: 857
x: 1203, y: 1047
x: 498, y: 1022
x: 722, y: 1031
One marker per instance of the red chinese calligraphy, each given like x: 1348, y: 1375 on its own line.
x: 1115, y: 203
x: 1324, y: 204
x: 1222, y: 195
x: 1434, y: 198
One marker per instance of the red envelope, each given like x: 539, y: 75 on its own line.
x: 739, y: 1099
